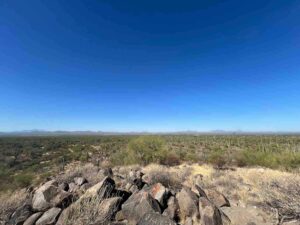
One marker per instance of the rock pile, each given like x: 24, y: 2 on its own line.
x: 129, y: 201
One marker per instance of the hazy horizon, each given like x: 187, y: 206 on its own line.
x: 156, y: 66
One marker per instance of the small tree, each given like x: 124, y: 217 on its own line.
x: 145, y: 150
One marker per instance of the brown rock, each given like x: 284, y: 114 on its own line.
x: 173, y: 209
x: 188, y: 203
x: 42, y: 197
x: 102, y: 189
x: 209, y: 213
x: 246, y: 215
x: 73, y: 188
x: 20, y: 215
x: 33, y: 218
x: 49, y: 217
x: 80, y: 181
x: 108, y: 209
x: 139, y: 204
x: 217, y: 198
x: 160, y: 193
x: 154, y: 218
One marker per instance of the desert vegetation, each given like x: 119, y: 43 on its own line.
x: 26, y: 161
x: 259, y: 175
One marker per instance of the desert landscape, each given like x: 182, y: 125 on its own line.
x: 149, y: 112
x: 150, y: 179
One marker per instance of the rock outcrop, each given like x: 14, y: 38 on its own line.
x: 120, y: 200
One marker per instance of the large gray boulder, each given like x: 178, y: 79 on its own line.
x: 209, y: 213
x: 62, y: 199
x: 42, y: 197
x: 108, y: 208
x: 80, y: 181
x: 63, y: 186
x: 217, y: 198
x: 73, y: 188
x: 172, y: 211
x: 33, y: 218
x: 154, y: 218
x: 102, y: 189
x: 139, y: 204
x: 49, y: 217
x: 188, y: 204
x: 213, y: 195
x: 50, y: 195
x: 20, y: 215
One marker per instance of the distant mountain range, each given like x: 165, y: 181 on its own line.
x: 99, y: 133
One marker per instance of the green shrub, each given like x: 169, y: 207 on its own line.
x: 171, y: 159
x: 142, y: 150
x: 23, y: 180
x: 217, y: 157
x: 275, y: 160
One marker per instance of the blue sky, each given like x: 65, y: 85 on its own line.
x: 150, y: 65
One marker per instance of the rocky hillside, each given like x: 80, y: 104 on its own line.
x: 116, y: 196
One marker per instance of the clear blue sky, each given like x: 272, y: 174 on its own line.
x: 159, y: 65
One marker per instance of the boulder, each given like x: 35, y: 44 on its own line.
x: 133, y: 189
x: 73, y: 188
x: 246, y: 215
x: 20, y: 215
x: 64, y: 215
x: 43, y: 195
x: 107, y: 209
x: 225, y: 218
x: 209, y: 213
x: 121, y: 193
x: 63, y: 186
x: 160, y: 193
x: 49, y: 217
x: 48, y: 196
x: 62, y: 199
x: 172, y: 210
x: 154, y: 218
x: 139, y: 204
x: 108, y: 172
x: 217, y: 198
x: 102, y: 189
x: 80, y: 181
x: 132, y: 175
x: 120, y: 216
x: 84, y: 187
x: 200, y: 191
x: 188, y: 203
x: 138, y: 182
x: 33, y: 218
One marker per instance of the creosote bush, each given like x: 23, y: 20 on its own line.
x: 143, y: 150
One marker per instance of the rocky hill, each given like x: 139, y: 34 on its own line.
x: 131, y: 196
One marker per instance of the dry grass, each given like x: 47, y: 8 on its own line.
x: 272, y: 191
x: 275, y: 192
x: 283, y: 195
x: 76, y: 169
x: 84, y: 213
x: 9, y: 202
x: 173, y: 177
